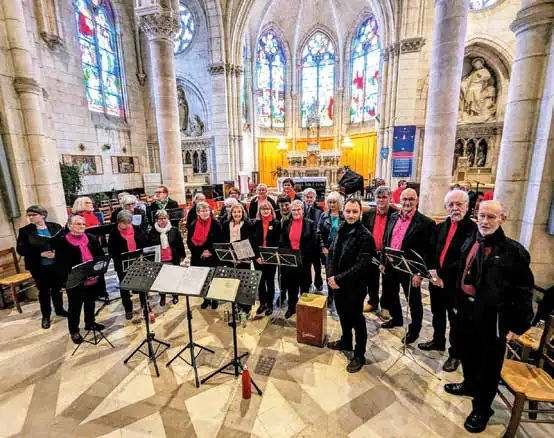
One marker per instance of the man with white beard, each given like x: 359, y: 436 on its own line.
x: 494, y: 301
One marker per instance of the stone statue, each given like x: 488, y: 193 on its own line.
x: 196, y: 126
x: 482, y: 153
x: 478, y: 94
x: 183, y: 109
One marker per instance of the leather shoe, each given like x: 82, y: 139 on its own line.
x: 458, y: 389
x: 269, y: 311
x: 410, y: 338
x: 45, y: 323
x: 77, y: 338
x: 370, y: 308
x: 289, y: 313
x: 205, y: 304
x: 215, y: 304
x: 95, y: 326
x: 355, y: 364
x: 260, y: 309
x: 391, y: 323
x: 129, y: 315
x: 162, y: 301
x: 338, y: 345
x: 451, y: 365
x: 476, y: 422
x: 175, y: 300
x: 430, y: 346
x: 63, y: 313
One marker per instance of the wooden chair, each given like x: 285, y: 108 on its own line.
x: 529, y: 382
x: 11, y: 276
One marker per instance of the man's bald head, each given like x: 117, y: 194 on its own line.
x: 408, y: 200
x: 491, y: 215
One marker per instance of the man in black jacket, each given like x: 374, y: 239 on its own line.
x: 442, y: 262
x: 313, y: 212
x: 161, y: 201
x: 494, y: 301
x: 409, y: 231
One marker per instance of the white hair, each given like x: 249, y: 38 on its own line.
x: 79, y: 204
x: 335, y: 196
x: 128, y: 200
x: 202, y: 205
x: 197, y: 196
x: 308, y: 191
x: 297, y: 202
x: 496, y: 203
x: 229, y: 202
x: 459, y: 192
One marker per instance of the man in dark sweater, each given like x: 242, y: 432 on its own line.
x: 161, y: 201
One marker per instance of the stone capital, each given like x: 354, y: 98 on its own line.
x: 411, y: 45
x: 160, y: 26
x: 216, y: 69
x: 537, y: 14
x: 26, y: 85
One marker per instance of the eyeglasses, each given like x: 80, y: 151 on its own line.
x: 408, y: 199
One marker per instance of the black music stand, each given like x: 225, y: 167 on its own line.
x: 279, y: 257
x: 397, y: 260
x: 139, y: 279
x: 77, y: 277
x: 246, y: 295
x: 191, y: 344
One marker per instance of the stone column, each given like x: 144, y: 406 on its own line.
x: 533, y: 29
x: 382, y: 107
x: 220, y: 124
x: 160, y: 29
x: 445, y: 77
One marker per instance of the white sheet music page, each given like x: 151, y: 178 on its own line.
x: 180, y: 280
x: 243, y: 249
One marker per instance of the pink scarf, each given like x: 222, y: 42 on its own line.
x: 129, y: 236
x: 81, y: 242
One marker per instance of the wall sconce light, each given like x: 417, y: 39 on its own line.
x: 81, y: 147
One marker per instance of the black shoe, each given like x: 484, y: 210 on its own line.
x: 410, y: 338
x: 476, y: 422
x: 205, y: 304
x: 338, y: 345
x: 45, y: 323
x: 77, y: 338
x: 162, y: 301
x: 215, y: 303
x: 175, y: 300
x: 129, y: 315
x: 355, y: 364
x: 95, y: 326
x: 289, y: 313
x: 63, y: 313
x: 430, y: 346
x: 391, y: 323
x: 319, y: 288
x: 269, y: 311
x: 451, y: 365
x: 261, y: 309
x: 458, y: 389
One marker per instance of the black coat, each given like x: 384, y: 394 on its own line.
x: 257, y: 235
x: 449, y: 271
x: 350, y: 256
x: 308, y: 240
x: 215, y: 235
x: 245, y: 231
x: 30, y: 252
x: 117, y: 245
x: 137, y: 211
x: 191, y: 215
x: 253, y: 209
x: 314, y: 212
x: 153, y: 208
x: 368, y: 218
x: 324, y: 228
x: 175, y: 240
x: 417, y: 237
x: 505, y: 287
x: 68, y: 255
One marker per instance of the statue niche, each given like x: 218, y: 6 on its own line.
x: 183, y: 109
x: 478, y: 94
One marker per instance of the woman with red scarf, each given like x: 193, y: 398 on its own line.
x: 84, y: 207
x: 75, y: 248
x: 266, y: 233
x: 126, y: 237
x: 201, y: 235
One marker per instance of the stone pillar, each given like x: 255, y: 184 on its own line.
x: 160, y: 29
x: 445, y: 77
x: 533, y: 29
x: 382, y: 107
x: 44, y: 168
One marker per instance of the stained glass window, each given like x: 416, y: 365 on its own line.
x: 318, y: 80
x: 476, y: 5
x: 186, y: 29
x: 99, y: 57
x: 270, y: 81
x: 366, y: 57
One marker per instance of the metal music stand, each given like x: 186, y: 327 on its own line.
x: 280, y: 257
x: 246, y: 295
x: 396, y: 258
x: 77, y: 277
x: 191, y: 344
x: 139, y: 279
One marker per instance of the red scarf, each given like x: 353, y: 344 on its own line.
x: 265, y: 224
x: 129, y: 236
x: 291, y: 194
x: 90, y: 218
x: 295, y: 233
x: 201, y: 231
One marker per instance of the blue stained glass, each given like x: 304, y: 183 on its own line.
x: 270, y: 81
x: 318, y: 80
x: 366, y: 58
x: 186, y: 30
x: 476, y: 5
x: 96, y: 26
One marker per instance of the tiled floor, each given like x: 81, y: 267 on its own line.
x: 45, y: 392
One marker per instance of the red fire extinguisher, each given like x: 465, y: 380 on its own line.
x: 246, y: 384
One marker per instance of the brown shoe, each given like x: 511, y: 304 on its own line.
x: 369, y: 308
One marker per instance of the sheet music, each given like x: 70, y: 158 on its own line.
x: 243, y: 249
x: 180, y: 280
x: 224, y: 289
x: 137, y: 219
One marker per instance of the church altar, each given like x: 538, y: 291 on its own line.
x: 314, y: 163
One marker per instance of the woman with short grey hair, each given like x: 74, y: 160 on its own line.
x: 191, y: 215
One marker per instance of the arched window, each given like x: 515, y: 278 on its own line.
x: 475, y: 5
x: 186, y: 30
x: 318, y: 80
x: 366, y: 57
x: 270, y: 81
x: 99, y: 56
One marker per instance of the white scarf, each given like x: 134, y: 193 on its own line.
x: 164, y: 241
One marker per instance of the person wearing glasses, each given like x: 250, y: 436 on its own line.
x: 39, y: 261
x: 261, y: 196
x: 84, y: 207
x: 161, y: 201
x: 409, y: 231
x: 129, y: 203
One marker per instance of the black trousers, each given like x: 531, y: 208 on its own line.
x: 482, y: 354
x: 373, y: 277
x: 292, y: 279
x: 442, y: 304
x: 349, y: 302
x: 125, y: 294
x: 266, y: 290
x: 79, y: 297
x: 392, y: 280
x: 49, y: 288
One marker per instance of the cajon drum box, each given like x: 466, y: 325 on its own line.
x: 311, y: 319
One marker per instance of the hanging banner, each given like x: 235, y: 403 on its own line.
x: 403, y: 151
